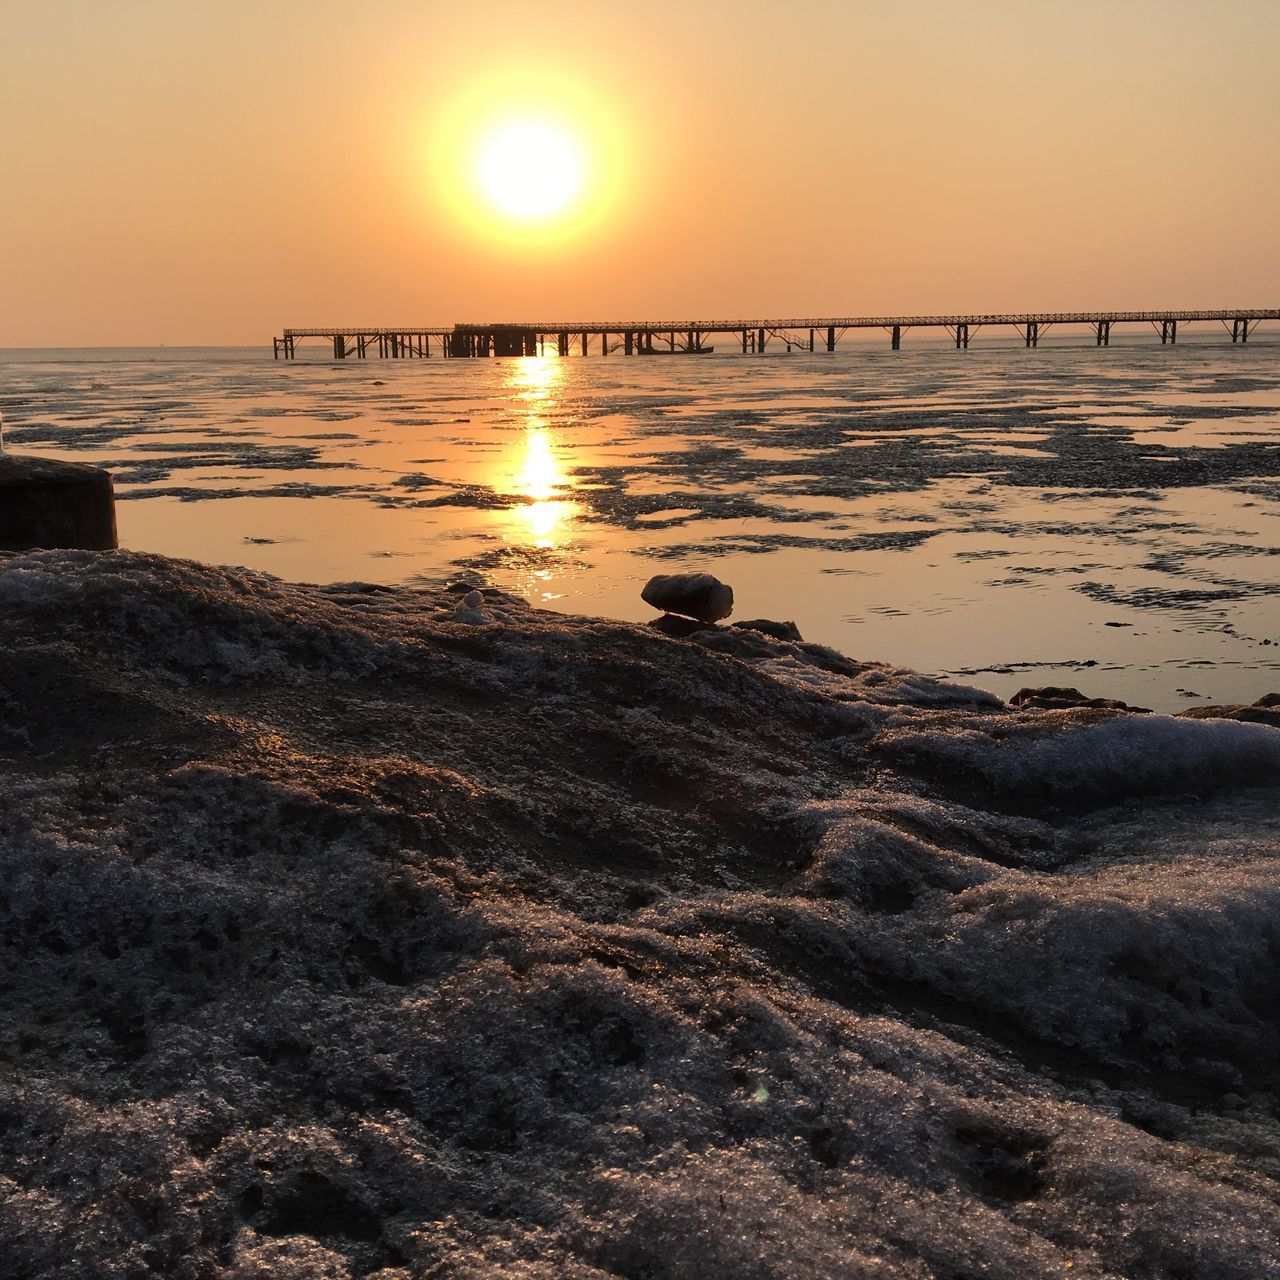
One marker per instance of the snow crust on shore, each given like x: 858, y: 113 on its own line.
x: 351, y: 931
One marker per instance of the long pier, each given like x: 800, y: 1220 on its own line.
x: 690, y: 337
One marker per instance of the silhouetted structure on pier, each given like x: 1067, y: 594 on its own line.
x: 689, y: 337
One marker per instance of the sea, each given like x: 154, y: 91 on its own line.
x: 1101, y: 518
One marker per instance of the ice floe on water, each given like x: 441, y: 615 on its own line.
x: 357, y: 931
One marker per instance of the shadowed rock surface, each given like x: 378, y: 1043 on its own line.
x: 1265, y: 711
x: 693, y: 595
x: 1058, y: 698
x: 362, y: 932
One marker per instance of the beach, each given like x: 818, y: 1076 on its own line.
x: 359, y: 930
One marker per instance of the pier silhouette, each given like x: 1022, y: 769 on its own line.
x: 690, y: 337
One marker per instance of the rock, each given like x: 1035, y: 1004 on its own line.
x: 1259, y: 713
x: 695, y: 595
x: 470, y: 610
x: 778, y: 630
x: 47, y: 503
x: 1268, y: 700
x: 1058, y: 698
x: 678, y: 628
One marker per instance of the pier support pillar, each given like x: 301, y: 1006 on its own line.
x: 1033, y: 333
x: 896, y: 337
x: 759, y: 340
x: 1240, y: 330
x: 584, y: 342
x: 628, y: 343
x: 810, y: 339
x: 1102, y: 332
x: 562, y: 345
x: 831, y: 338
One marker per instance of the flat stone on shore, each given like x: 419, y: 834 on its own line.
x: 695, y: 595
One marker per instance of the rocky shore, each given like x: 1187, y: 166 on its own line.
x: 354, y: 931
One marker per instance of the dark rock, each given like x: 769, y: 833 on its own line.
x: 1268, y: 700
x: 1058, y: 698
x: 47, y: 503
x: 696, y: 595
x: 778, y: 630
x: 678, y: 628
x: 1259, y: 713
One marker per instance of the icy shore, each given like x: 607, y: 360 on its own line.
x: 353, y: 931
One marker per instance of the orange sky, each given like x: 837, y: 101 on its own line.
x: 211, y: 173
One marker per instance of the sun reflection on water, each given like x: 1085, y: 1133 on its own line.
x: 539, y: 474
x: 542, y: 480
x: 536, y: 379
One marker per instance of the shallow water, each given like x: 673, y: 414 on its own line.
x: 1100, y: 518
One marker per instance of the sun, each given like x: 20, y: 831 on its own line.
x: 529, y: 171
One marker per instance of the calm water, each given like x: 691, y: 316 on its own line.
x: 1108, y: 519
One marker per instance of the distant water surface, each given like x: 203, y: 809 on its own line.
x: 1108, y: 519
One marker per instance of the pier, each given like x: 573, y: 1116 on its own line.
x: 692, y: 337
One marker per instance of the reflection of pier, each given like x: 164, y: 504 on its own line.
x: 689, y: 337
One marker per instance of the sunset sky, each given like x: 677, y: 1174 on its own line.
x: 203, y: 173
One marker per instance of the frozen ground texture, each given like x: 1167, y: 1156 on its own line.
x: 357, y: 931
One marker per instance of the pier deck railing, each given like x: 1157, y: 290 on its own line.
x: 653, y: 337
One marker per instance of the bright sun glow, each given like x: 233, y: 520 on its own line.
x: 529, y: 170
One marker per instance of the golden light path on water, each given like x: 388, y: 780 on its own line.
x: 538, y: 474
